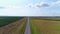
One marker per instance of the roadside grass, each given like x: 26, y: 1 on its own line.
x: 39, y: 26
x: 21, y: 28
x: 33, y: 28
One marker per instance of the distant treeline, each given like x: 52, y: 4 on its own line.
x: 46, y: 16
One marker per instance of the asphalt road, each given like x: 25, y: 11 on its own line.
x: 27, y: 30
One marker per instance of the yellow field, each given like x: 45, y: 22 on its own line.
x: 39, y: 26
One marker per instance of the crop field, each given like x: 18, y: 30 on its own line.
x: 12, y: 25
x: 8, y: 20
x: 45, y: 25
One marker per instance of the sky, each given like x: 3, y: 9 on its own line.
x: 29, y: 7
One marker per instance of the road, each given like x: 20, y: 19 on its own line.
x: 27, y: 30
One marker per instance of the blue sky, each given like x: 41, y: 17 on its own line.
x: 29, y: 7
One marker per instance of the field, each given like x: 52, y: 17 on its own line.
x: 8, y: 20
x: 12, y: 25
x: 45, y: 25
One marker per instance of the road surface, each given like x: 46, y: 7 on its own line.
x: 27, y: 30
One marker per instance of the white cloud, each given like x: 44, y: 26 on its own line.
x: 58, y: 3
x: 12, y: 10
x: 45, y: 4
x: 39, y: 5
x: 30, y: 5
x: 10, y: 3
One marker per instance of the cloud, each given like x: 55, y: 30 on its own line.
x: 13, y: 6
x: 9, y: 6
x: 58, y: 3
x: 2, y: 7
x: 30, y: 5
x: 12, y: 10
x: 45, y: 4
x: 39, y: 5
x: 42, y: 6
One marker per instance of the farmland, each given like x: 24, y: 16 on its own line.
x: 7, y: 20
x: 45, y: 25
x: 12, y: 25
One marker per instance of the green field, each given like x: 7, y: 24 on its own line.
x: 7, y: 20
x: 42, y: 26
x: 14, y: 25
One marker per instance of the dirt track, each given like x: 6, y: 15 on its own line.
x: 13, y: 28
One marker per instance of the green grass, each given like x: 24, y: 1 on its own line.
x: 7, y: 20
x: 44, y: 26
x: 33, y: 28
x: 22, y: 30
